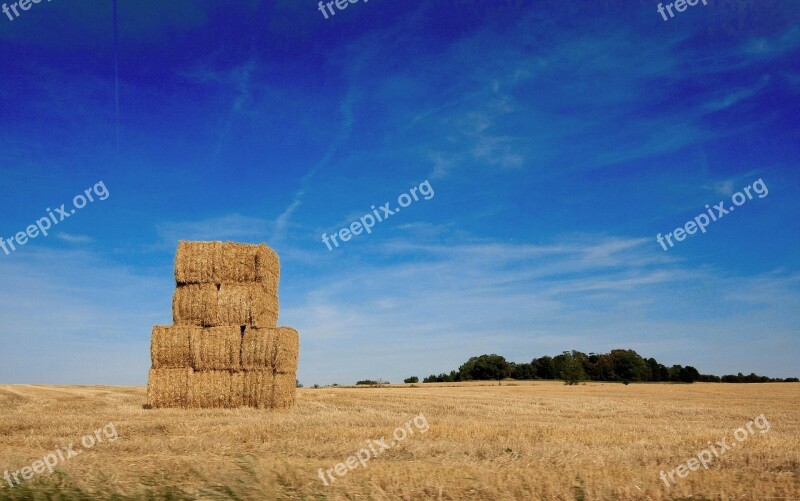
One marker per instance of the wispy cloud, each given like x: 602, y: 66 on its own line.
x: 738, y: 95
x: 728, y: 186
x: 74, y: 239
x: 284, y: 220
x: 526, y: 300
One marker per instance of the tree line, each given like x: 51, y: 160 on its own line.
x: 620, y: 365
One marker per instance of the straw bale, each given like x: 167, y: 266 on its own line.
x: 168, y: 387
x: 273, y: 348
x: 195, y: 305
x: 208, y: 305
x: 283, y: 392
x: 198, y: 262
x: 170, y: 346
x: 247, y: 304
x: 268, y: 266
x: 249, y: 263
x: 237, y: 389
x: 230, y: 262
x: 216, y: 348
x: 257, y: 388
x: 210, y: 390
x: 287, y: 350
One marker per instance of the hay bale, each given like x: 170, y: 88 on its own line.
x: 211, y: 390
x: 287, y: 350
x: 168, y: 388
x: 208, y: 305
x: 268, y: 266
x: 257, y: 389
x: 195, y: 304
x: 249, y: 263
x: 170, y: 346
x: 230, y: 262
x: 237, y: 390
x: 253, y: 305
x: 275, y: 349
x: 198, y: 262
x: 283, y: 392
x: 216, y: 348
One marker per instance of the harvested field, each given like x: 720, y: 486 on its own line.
x: 524, y: 440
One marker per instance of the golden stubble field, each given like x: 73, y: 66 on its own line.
x: 522, y: 440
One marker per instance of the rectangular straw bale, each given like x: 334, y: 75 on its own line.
x: 237, y: 390
x: 170, y: 346
x: 198, y: 262
x: 272, y: 348
x: 247, y: 304
x: 216, y: 348
x: 168, y: 388
x: 268, y: 266
x: 249, y: 263
x: 210, y: 390
x: 230, y: 262
x: 283, y: 392
x: 257, y: 386
x: 195, y: 304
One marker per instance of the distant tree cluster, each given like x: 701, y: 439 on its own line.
x: 624, y: 366
x: 370, y: 382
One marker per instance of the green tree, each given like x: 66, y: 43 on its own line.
x: 544, y: 368
x: 689, y: 374
x: 412, y: 379
x: 522, y: 371
x: 485, y: 367
x: 629, y: 366
x: 658, y: 372
x: 570, y: 367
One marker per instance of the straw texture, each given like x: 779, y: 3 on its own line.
x: 218, y: 263
x: 168, y: 387
x: 257, y: 389
x: 210, y: 390
x: 275, y: 349
x: 216, y: 348
x: 170, y: 346
x: 208, y: 305
x: 283, y: 392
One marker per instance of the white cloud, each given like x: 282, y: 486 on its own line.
x: 74, y: 239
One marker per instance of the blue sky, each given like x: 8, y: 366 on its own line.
x: 559, y: 139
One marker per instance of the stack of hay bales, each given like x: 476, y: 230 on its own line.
x: 225, y: 348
